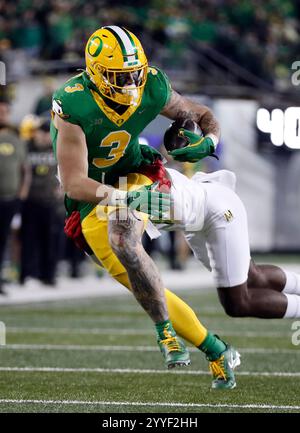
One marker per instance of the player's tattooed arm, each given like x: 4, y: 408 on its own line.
x: 145, y: 280
x: 180, y: 107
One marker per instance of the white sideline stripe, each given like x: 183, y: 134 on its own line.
x: 142, y: 403
x: 130, y: 331
x: 107, y: 348
x: 142, y: 371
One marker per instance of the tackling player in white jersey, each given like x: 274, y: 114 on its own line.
x: 214, y: 220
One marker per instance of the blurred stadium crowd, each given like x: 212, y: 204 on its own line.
x: 262, y: 37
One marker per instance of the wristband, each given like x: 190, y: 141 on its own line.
x: 214, y: 139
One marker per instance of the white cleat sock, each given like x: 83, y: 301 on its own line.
x: 292, y: 285
x: 293, y: 307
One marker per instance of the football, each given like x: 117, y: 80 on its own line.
x: 172, y: 139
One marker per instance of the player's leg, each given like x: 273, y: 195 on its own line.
x: 270, y: 278
x: 125, y: 229
x: 269, y: 293
x: 240, y: 301
x: 7, y: 209
x: 29, y: 240
x: 244, y: 289
x: 229, y: 250
x: 183, y: 318
x: 288, y: 283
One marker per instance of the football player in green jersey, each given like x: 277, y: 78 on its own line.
x: 97, y: 118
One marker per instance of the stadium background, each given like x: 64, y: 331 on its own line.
x: 234, y: 55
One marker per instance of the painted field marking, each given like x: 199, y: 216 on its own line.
x: 130, y: 331
x: 126, y: 348
x: 142, y: 371
x: 151, y: 404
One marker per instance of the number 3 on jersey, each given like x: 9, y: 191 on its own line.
x: 117, y: 141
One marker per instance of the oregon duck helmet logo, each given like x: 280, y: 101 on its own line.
x: 94, y: 46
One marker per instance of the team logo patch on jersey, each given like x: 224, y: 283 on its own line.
x: 57, y: 109
x: 96, y: 122
x: 152, y: 70
x: 228, y: 215
x: 76, y: 88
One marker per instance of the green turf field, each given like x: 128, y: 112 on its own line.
x: 100, y: 355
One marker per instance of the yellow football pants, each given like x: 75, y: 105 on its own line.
x: 95, y: 231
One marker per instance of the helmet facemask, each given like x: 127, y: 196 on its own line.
x: 123, y: 86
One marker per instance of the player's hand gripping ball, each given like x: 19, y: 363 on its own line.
x: 184, y: 141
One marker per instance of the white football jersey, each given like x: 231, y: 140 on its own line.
x: 189, y: 198
x: 214, y: 222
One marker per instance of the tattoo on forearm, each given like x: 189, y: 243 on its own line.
x: 209, y: 124
x: 144, y: 277
x: 181, y: 114
x: 183, y: 108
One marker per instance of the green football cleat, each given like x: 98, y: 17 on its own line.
x: 222, y: 369
x: 174, y: 352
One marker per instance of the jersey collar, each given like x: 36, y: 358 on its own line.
x: 117, y: 119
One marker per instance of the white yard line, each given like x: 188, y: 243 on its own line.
x: 130, y: 331
x: 151, y: 404
x: 142, y: 371
x: 100, y: 331
x: 125, y: 348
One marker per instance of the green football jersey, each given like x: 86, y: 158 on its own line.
x: 112, y: 139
